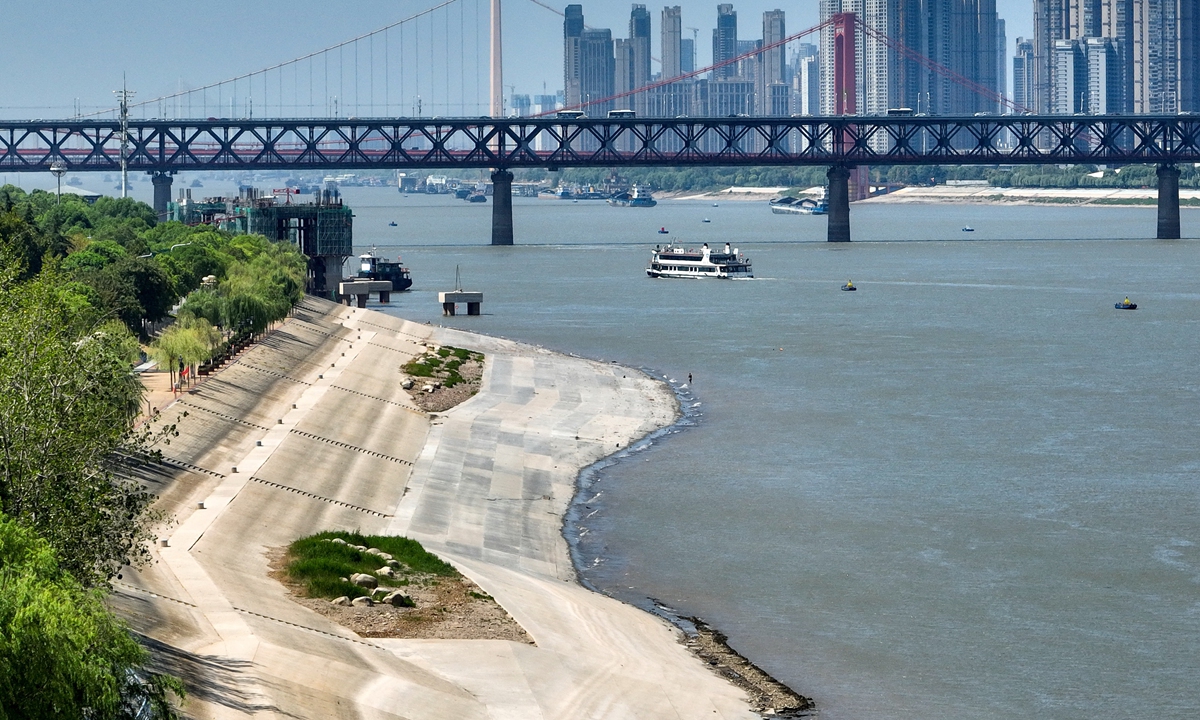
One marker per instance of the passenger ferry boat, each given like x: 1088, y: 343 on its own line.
x: 376, y: 268
x: 676, y: 262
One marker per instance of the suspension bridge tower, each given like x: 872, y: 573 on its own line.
x: 502, y: 218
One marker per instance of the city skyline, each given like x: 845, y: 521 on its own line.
x: 60, y: 59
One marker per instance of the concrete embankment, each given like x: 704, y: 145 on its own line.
x: 323, y: 437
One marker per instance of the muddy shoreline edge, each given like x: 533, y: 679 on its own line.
x: 767, y: 696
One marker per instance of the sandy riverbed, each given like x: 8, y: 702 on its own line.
x: 310, y: 430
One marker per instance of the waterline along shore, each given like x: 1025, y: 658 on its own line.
x: 309, y: 431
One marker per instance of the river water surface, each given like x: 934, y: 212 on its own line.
x: 969, y: 490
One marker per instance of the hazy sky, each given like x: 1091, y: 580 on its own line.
x: 55, y: 53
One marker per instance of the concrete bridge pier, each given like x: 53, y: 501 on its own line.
x: 1168, y: 202
x: 839, y: 204
x: 502, y: 218
x: 162, y: 191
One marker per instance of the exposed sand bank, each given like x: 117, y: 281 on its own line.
x: 979, y: 194
x: 323, y: 437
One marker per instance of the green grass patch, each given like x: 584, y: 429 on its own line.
x: 459, y: 353
x: 319, y: 565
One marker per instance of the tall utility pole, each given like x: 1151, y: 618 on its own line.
x: 497, y: 99
x: 124, y: 95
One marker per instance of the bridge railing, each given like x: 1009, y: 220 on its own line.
x: 447, y: 143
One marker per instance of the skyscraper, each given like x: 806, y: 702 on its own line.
x: 1001, y: 60
x: 672, y: 42
x: 1069, y: 83
x: 572, y: 70
x: 772, y: 72
x: 1051, y: 23
x: 687, y: 55
x: 597, y: 70
x: 725, y: 41
x: 639, y: 46
x: 1023, y: 79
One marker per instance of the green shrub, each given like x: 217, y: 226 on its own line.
x: 319, y: 565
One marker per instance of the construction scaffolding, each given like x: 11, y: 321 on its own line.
x: 322, y: 229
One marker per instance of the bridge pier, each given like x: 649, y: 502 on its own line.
x: 839, y: 204
x: 162, y: 192
x: 1168, y: 202
x: 502, y: 218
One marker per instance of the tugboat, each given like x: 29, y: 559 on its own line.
x: 392, y: 224
x: 849, y: 286
x: 376, y: 268
x: 636, y: 198
x: 676, y: 262
x: 1126, y: 304
x: 968, y: 228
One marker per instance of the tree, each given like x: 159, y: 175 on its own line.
x: 62, y: 654
x: 67, y: 404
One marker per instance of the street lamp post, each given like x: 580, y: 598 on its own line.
x: 58, y: 168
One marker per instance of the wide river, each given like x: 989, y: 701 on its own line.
x: 969, y: 490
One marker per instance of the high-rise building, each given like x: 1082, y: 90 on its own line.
x: 1023, y: 77
x: 672, y: 42
x: 1051, y: 23
x: 725, y: 41
x: 572, y: 70
x: 806, y: 80
x: 639, y: 46
x: 773, y: 67
x: 1105, y: 76
x: 687, y: 55
x: 623, y: 72
x: 597, y: 71
x: 1069, y: 83
x: 1144, y: 31
x: 1001, y: 60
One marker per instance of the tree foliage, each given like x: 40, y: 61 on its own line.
x: 67, y: 402
x: 62, y: 654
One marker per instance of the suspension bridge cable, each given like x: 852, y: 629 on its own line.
x: 338, y: 46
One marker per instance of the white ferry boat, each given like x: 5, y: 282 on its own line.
x: 676, y: 262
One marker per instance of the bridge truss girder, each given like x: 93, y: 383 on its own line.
x: 415, y: 143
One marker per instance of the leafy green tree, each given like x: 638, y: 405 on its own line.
x: 67, y: 404
x: 62, y: 654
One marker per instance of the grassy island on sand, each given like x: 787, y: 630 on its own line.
x: 324, y: 563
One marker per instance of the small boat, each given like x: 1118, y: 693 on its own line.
x: 716, y: 205
x: 968, y: 228
x: 663, y: 231
x: 849, y: 287
x: 1126, y: 305
x: 477, y: 198
x: 392, y: 224
x: 706, y: 220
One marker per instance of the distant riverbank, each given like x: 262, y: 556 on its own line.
x: 1030, y: 196
x: 959, y: 194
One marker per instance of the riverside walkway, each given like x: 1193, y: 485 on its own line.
x: 323, y: 437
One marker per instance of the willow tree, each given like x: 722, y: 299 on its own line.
x: 68, y: 401
x: 62, y: 653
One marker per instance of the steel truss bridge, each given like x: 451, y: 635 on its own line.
x: 166, y: 147
x: 427, y: 144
